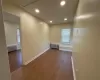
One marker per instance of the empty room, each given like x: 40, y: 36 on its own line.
x: 49, y: 39
x: 12, y: 34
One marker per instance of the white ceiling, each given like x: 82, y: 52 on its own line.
x: 50, y: 9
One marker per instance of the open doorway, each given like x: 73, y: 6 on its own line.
x: 12, y: 34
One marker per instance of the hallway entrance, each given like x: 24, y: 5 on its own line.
x: 12, y: 34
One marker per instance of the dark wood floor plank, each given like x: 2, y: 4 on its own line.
x: 52, y: 65
x: 15, y: 60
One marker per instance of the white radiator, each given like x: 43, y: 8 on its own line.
x: 65, y: 47
x: 12, y: 47
x: 60, y: 46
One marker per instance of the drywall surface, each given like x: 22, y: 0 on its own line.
x: 10, y: 33
x: 55, y: 32
x: 86, y: 40
x: 34, y: 32
x: 4, y: 66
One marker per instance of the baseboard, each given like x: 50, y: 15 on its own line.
x: 74, y: 75
x: 35, y: 57
x: 64, y: 47
x: 65, y: 50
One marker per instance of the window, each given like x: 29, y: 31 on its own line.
x: 65, y: 35
x: 18, y: 35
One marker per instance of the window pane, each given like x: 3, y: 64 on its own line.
x: 65, y: 33
x: 18, y: 35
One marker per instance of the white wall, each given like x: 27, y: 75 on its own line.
x: 55, y: 32
x: 4, y: 66
x: 34, y: 34
x: 55, y: 35
x: 10, y: 33
x: 86, y: 48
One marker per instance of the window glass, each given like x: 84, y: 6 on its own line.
x: 18, y: 35
x: 65, y: 35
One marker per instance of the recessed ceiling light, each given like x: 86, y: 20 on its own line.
x: 65, y: 19
x: 50, y: 21
x: 37, y: 10
x: 63, y: 2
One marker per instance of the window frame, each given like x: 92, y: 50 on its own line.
x: 69, y: 37
x: 18, y: 35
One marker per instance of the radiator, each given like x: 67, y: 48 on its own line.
x: 12, y: 47
x: 54, y: 46
x: 65, y: 47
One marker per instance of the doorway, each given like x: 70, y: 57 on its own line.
x: 12, y: 34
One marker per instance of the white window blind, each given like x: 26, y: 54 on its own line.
x: 65, y: 34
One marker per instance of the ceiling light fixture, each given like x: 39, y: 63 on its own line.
x: 50, y: 21
x: 63, y: 2
x: 37, y: 10
x: 65, y: 19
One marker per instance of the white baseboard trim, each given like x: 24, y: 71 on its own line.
x: 65, y: 50
x: 35, y: 57
x: 74, y: 75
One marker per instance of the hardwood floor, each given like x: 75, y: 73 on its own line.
x: 15, y: 60
x: 52, y: 65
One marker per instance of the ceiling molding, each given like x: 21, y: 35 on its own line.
x: 49, y: 10
x: 70, y: 22
x: 30, y: 3
x: 32, y: 14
